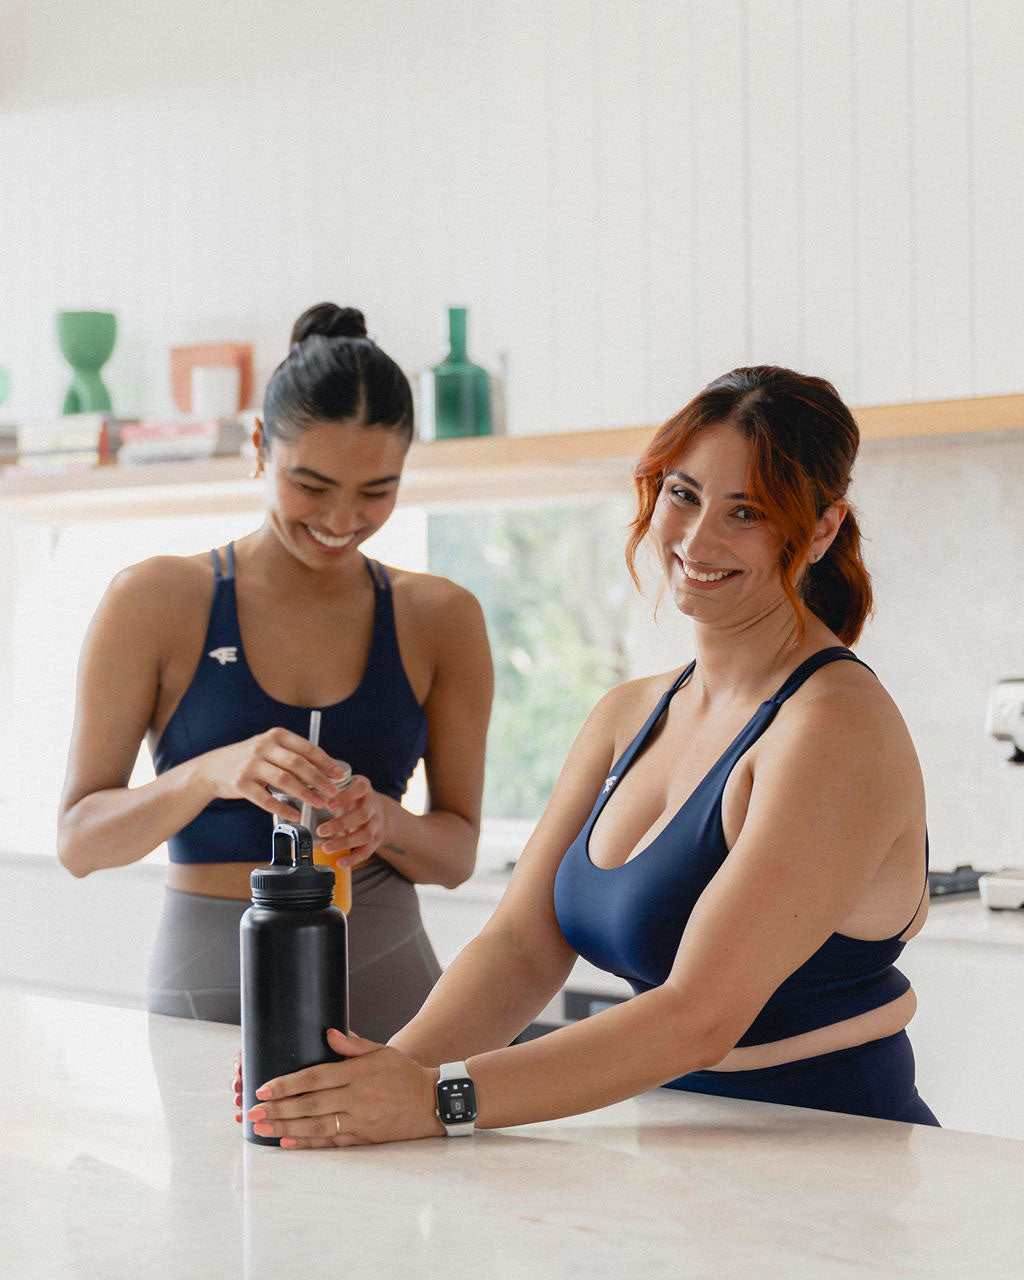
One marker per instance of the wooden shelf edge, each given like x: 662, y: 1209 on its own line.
x: 485, y: 469
x: 940, y: 417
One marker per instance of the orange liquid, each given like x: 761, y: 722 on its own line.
x: 342, y: 876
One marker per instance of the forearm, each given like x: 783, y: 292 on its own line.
x: 430, y: 848
x: 120, y: 825
x: 611, y: 1056
x: 490, y: 992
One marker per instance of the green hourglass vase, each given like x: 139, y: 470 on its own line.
x: 462, y: 405
x: 86, y: 339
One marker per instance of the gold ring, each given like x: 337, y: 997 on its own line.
x: 337, y: 1123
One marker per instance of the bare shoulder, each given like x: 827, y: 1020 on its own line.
x: 844, y: 716
x: 161, y: 589
x: 847, y: 697
x: 427, y: 598
x: 620, y: 713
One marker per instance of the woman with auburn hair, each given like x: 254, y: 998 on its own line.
x: 743, y: 839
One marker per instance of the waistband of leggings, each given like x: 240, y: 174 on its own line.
x: 375, y: 872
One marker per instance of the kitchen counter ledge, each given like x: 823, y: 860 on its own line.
x: 119, y: 1157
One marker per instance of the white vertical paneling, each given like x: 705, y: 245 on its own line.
x: 997, y: 147
x: 630, y: 198
x: 37, y: 247
x: 776, y: 188
x: 883, y: 169
x: 830, y: 302
x: 669, y: 267
x: 523, y: 255
x: 621, y: 163
x: 158, y: 218
x: 572, y: 204
x: 942, y: 242
x: 121, y: 246
x: 7, y: 151
x: 721, y: 269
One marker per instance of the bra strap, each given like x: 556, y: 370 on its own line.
x: 218, y: 574
x: 835, y: 653
x: 379, y: 574
x: 624, y: 761
x: 896, y: 936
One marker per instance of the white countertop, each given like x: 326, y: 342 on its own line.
x: 967, y: 919
x: 120, y: 1157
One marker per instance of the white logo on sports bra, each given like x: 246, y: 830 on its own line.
x: 225, y: 654
x: 609, y: 782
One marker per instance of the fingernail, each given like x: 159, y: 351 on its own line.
x: 258, y: 1113
x: 287, y: 1142
x: 263, y: 1130
x: 264, y: 1092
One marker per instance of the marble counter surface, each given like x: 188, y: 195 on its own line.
x: 120, y: 1157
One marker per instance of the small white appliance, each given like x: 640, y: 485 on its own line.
x: 1004, y: 890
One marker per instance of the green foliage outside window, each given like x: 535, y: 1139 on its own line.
x: 555, y: 591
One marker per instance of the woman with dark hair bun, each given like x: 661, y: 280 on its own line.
x: 743, y: 838
x: 219, y: 658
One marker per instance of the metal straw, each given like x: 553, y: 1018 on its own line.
x: 314, y: 737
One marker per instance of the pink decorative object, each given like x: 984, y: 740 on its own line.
x: 184, y: 359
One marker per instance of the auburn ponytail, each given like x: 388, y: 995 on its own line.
x: 838, y: 588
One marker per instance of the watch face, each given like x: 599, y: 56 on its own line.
x: 456, y: 1101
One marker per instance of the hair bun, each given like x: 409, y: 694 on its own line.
x: 329, y: 321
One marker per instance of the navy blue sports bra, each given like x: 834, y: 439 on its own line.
x: 380, y: 729
x: 629, y: 920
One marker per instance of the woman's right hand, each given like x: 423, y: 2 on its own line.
x: 277, y: 758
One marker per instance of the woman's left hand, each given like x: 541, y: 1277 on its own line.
x: 356, y: 828
x: 377, y: 1094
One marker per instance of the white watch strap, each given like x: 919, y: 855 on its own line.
x: 456, y: 1071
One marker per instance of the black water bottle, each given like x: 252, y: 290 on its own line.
x: 294, y: 967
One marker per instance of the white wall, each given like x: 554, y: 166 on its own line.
x: 944, y: 540
x: 630, y: 196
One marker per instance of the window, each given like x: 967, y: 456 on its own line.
x: 564, y: 618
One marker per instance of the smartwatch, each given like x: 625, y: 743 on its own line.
x: 456, y: 1100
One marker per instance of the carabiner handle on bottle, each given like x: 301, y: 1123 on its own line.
x: 292, y: 847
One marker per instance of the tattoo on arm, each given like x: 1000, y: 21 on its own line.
x: 390, y: 848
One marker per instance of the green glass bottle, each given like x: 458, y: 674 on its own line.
x: 462, y: 398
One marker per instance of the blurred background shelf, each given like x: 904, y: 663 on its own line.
x: 564, y: 465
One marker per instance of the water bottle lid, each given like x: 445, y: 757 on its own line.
x: 292, y: 879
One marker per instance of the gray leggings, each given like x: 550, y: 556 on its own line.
x: 392, y: 966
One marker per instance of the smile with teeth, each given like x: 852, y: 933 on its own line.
x: 706, y: 575
x: 326, y: 540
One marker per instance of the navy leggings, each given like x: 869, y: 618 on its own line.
x: 874, y: 1079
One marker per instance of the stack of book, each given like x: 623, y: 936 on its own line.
x: 8, y: 443
x: 180, y: 439
x: 70, y: 443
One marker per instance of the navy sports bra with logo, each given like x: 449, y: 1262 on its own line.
x: 380, y: 729
x: 629, y: 920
